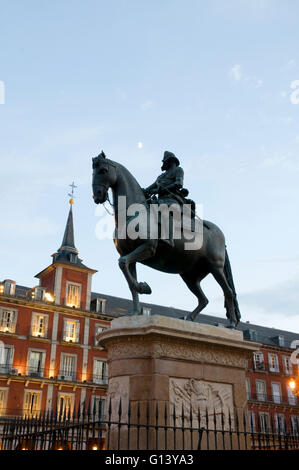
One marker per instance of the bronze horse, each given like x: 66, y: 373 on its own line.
x: 192, y: 266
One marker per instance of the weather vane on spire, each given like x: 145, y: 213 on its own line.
x: 72, y: 192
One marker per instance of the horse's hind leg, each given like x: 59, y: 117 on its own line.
x: 193, y: 282
x: 219, y: 275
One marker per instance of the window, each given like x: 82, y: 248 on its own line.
x: 71, y: 331
x: 36, y: 361
x: 98, y: 408
x: 100, y: 305
x: 68, y: 367
x: 65, y: 404
x: 248, y: 390
x: 261, y: 390
x: 258, y: 359
x: 9, y: 287
x: 39, y: 325
x: 3, y: 398
x: 73, y: 295
x: 264, y: 422
x: 251, y: 418
x: 280, y: 423
x: 146, y: 310
x: 99, y: 371
x: 98, y: 330
x: 295, y: 424
x: 273, y: 363
x: 291, y: 397
x: 276, y: 392
x: 287, y: 365
x: 8, y: 320
x: 6, y: 359
x: 32, y: 403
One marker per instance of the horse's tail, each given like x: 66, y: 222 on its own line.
x: 229, y: 277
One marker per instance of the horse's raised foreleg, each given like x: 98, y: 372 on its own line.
x: 193, y: 282
x: 219, y: 275
x: 143, y: 252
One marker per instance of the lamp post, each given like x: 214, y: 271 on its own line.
x: 294, y: 386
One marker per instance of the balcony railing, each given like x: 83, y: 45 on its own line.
x: 274, y: 399
x: 44, y: 374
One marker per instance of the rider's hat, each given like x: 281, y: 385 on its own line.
x: 170, y: 156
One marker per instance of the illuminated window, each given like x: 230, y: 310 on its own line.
x: 3, y: 398
x: 287, y: 365
x: 73, y: 295
x: 71, y: 331
x: 65, y: 404
x: 32, y: 402
x: 39, y: 325
x: 8, y: 320
x: 273, y: 363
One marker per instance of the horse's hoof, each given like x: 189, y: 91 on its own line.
x: 144, y: 288
x: 189, y: 317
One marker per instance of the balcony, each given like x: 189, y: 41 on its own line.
x: 272, y: 399
x: 100, y: 379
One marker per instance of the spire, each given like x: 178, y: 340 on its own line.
x: 68, y: 253
x: 68, y: 243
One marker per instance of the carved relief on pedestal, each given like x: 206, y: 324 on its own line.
x: 118, y: 390
x: 207, y: 400
x: 149, y: 347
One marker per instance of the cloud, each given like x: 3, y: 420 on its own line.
x: 148, y: 104
x: 236, y: 72
x: 282, y: 299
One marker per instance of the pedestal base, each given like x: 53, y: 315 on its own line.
x: 193, y: 374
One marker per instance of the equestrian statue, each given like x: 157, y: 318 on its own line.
x: 164, y: 254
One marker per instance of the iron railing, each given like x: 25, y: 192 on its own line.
x: 141, y: 425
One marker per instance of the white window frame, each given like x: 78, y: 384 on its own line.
x: 46, y: 317
x: 103, y: 399
x: 12, y: 328
x: 292, y: 399
x: 287, y: 365
x: 71, y: 409
x: 251, y: 418
x: 69, y: 283
x: 70, y: 378
x: 277, y: 398
x: 147, y: 311
x: 279, y: 417
x: 258, y: 361
x: 262, y: 421
x: 40, y: 351
x: 100, y: 305
x: 103, y: 378
x: 276, y: 368
x: 37, y: 411
x: 66, y: 338
x: 3, y: 405
x: 5, y: 366
x: 295, y: 423
x: 261, y: 396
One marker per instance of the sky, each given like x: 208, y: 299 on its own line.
x: 216, y: 82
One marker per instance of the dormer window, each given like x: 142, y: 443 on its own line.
x: 39, y: 293
x: 73, y: 294
x: 73, y: 258
x: 9, y: 287
x: 100, y: 305
x: 146, y: 311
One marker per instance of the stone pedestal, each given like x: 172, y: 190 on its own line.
x: 161, y: 366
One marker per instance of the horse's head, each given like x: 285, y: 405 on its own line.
x: 103, y: 177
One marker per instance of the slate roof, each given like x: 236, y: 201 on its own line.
x: 117, y: 306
